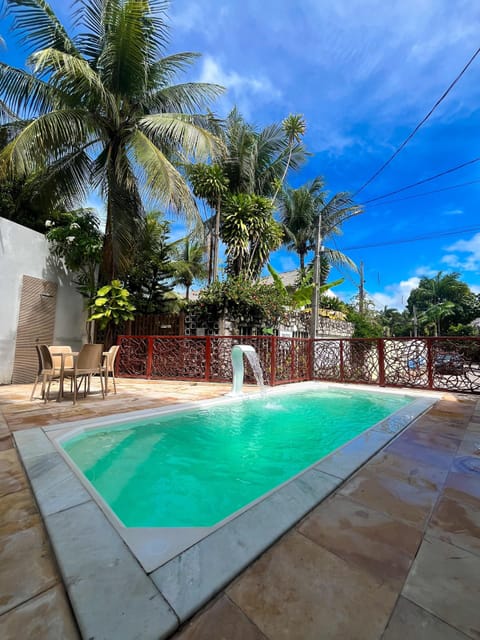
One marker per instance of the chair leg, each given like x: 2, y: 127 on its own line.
x: 34, y: 387
x: 101, y: 383
x: 113, y: 380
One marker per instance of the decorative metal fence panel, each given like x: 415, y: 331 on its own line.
x: 441, y: 364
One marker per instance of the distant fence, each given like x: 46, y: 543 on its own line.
x: 443, y: 364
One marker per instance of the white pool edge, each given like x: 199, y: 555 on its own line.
x: 94, y: 557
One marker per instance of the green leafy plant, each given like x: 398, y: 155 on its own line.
x: 111, y: 305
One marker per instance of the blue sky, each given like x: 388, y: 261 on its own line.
x: 363, y: 73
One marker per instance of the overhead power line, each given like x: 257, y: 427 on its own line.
x: 415, y: 184
x: 427, y: 236
x: 427, y: 193
x: 420, y: 124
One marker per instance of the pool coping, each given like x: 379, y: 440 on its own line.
x: 111, y: 594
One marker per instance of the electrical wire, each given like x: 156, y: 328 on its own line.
x: 428, y: 236
x: 426, y: 193
x: 420, y: 124
x: 415, y: 184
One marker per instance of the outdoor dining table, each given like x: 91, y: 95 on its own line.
x: 72, y: 354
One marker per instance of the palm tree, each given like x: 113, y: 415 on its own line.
x: 256, y: 160
x: 432, y: 293
x: 300, y: 211
x: 188, y: 264
x: 99, y: 110
x: 210, y: 184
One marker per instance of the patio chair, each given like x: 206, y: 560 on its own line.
x: 108, y: 366
x: 46, y: 371
x: 87, y: 363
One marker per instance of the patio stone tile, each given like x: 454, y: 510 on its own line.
x: 293, y: 592
x: 412, y: 622
x: 407, y: 469
x: 460, y: 483
x: 410, y: 500
x: 6, y: 442
x: 25, y: 560
x: 18, y: 511
x: 457, y: 523
x: 431, y: 439
x: 222, y: 621
x: 445, y: 580
x: 90, y: 552
x: 427, y: 451
x: 12, y: 477
x: 46, y: 617
x: 376, y: 543
x: 470, y: 445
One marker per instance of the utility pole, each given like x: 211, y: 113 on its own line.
x: 361, y: 292
x: 316, y: 279
x: 415, y: 322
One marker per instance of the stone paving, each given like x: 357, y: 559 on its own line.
x: 394, y: 553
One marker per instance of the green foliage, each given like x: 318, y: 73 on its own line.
x: 75, y: 238
x: 240, y: 297
x: 442, y: 301
x: 461, y: 330
x: 250, y: 233
x: 301, y: 296
x: 365, y: 327
x: 104, y: 110
x: 188, y: 263
x: 149, y: 275
x: 111, y: 305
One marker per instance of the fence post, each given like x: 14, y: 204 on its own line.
x: 292, y: 360
x: 381, y: 362
x: 273, y: 360
x: 310, y: 353
x: 148, y: 372
x: 208, y: 356
x: 342, y: 366
x: 430, y: 362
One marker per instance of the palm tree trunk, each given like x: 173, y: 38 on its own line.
x: 216, y: 241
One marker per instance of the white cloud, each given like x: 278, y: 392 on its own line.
x: 468, y: 262
x: 395, y: 295
x: 425, y: 272
x: 244, y: 89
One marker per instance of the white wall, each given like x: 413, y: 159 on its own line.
x: 25, y: 252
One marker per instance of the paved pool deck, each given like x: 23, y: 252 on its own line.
x: 393, y: 553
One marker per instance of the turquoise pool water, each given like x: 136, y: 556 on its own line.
x: 195, y: 468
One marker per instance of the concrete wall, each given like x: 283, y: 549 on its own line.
x: 26, y: 252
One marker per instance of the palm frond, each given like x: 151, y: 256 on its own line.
x: 45, y: 139
x: 337, y: 258
x: 75, y: 78
x: 163, y: 179
x: 164, y: 70
x: 37, y: 26
x: 183, y: 98
x: 181, y: 133
x: 26, y: 94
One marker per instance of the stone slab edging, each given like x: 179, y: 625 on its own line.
x: 111, y: 594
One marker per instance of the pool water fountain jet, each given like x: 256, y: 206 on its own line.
x: 238, y: 351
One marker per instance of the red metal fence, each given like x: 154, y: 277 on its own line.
x: 451, y: 364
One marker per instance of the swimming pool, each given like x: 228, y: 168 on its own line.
x: 124, y: 579
x: 196, y: 468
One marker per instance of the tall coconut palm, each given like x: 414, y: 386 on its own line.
x: 188, y: 263
x: 301, y: 210
x: 100, y: 110
x: 257, y: 160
